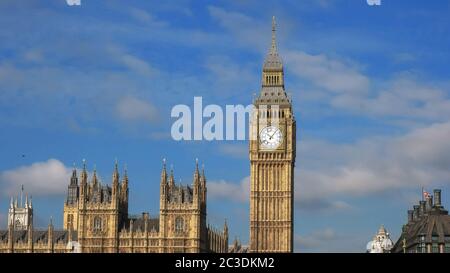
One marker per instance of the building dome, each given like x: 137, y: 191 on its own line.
x: 381, y: 242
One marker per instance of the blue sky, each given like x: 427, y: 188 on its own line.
x: 370, y: 88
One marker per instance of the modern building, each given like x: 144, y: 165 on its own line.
x: 428, y: 228
x: 272, y: 161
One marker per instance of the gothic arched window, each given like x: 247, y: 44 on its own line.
x: 97, y: 224
x: 179, y: 224
x: 70, y: 221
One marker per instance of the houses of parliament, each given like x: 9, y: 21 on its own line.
x: 96, y: 218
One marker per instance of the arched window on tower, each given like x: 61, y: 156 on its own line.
x: 179, y: 224
x: 70, y: 221
x: 97, y: 224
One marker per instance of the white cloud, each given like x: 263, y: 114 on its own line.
x: 229, y: 191
x: 332, y: 74
x: 316, y: 238
x: 330, y: 173
x: 133, y: 109
x: 373, y: 165
x: 228, y: 77
x: 403, y: 97
x: 234, y: 150
x: 138, y: 65
x: 328, y: 240
x: 41, y: 178
x: 246, y: 30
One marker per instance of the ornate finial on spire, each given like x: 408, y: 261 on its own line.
x: 274, y: 45
x: 171, y: 178
x: 116, y: 163
x: 196, y: 165
x: 31, y: 201
x: 164, y: 162
x: 84, y: 164
x: 21, y: 197
x: 74, y: 165
x: 125, y: 169
x: 95, y: 168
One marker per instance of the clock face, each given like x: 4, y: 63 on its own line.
x: 270, y: 137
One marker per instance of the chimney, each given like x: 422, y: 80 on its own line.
x: 429, y: 202
x: 416, y: 213
x: 422, y: 208
x: 410, y: 216
x: 437, y: 198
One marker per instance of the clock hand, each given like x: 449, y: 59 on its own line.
x: 273, y: 134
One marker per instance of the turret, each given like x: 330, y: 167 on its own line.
x: 50, y: 236
x: 123, y: 198
x: 72, y: 189
x: 171, y: 178
x: 30, y: 235
x: 203, y: 186
x: 225, y: 228
x: 273, y: 67
x: 196, y: 182
x: 83, y: 184
x: 94, y: 181
x: 11, y: 237
x: 163, y: 182
x: 163, y: 186
x: 124, y: 186
x: 115, y: 180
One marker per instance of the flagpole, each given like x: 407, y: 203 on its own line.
x: 422, y: 194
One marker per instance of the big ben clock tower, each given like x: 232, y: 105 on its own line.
x: 272, y: 160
